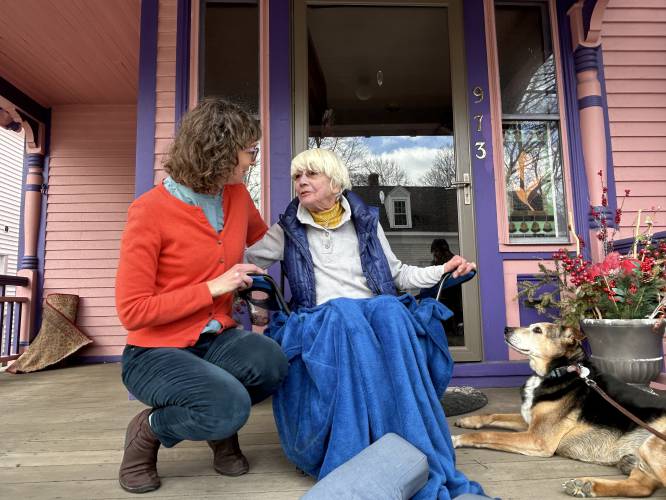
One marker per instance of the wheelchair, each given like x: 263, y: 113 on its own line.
x: 264, y: 293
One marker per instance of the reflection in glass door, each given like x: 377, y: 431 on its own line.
x: 380, y: 94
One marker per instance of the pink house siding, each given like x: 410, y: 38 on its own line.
x: 166, y: 82
x: 91, y: 184
x: 634, y: 51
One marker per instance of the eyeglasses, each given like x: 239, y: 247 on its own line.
x: 253, y: 151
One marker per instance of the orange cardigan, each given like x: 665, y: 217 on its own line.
x: 168, y: 252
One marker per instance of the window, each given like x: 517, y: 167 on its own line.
x: 533, y: 170
x: 230, y: 63
x: 399, y: 213
x: 230, y: 53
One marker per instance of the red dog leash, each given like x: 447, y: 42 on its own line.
x: 583, y: 373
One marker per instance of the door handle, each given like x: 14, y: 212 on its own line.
x: 465, y: 184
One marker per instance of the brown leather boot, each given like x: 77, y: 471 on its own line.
x: 228, y: 459
x: 138, y: 470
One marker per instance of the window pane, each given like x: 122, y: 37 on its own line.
x: 535, y: 184
x: 231, y: 53
x: 230, y: 69
x: 526, y: 60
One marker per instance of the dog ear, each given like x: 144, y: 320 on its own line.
x: 573, y: 335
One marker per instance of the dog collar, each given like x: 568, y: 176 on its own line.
x: 558, y: 372
x: 581, y: 370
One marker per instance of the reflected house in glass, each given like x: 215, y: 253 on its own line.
x: 429, y: 213
x: 522, y: 103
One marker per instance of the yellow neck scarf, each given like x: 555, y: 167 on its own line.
x: 329, y: 218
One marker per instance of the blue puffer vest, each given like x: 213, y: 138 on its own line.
x: 298, y: 265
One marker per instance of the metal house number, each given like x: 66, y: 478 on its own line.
x: 480, y: 146
x: 480, y: 152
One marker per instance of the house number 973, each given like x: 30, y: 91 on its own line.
x: 479, y: 146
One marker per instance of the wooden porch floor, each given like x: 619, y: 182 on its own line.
x: 61, y: 436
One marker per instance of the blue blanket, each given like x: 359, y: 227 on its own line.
x: 359, y: 368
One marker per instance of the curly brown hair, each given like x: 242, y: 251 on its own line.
x: 204, y: 152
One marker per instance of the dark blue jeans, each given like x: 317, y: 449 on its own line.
x: 204, y: 392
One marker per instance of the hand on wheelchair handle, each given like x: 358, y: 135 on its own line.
x: 458, y: 266
x: 235, y: 278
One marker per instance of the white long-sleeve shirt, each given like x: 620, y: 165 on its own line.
x: 336, y: 258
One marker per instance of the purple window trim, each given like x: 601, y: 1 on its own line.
x: 146, y: 99
x: 527, y: 314
x: 280, y: 105
x: 491, y: 278
x: 182, y: 60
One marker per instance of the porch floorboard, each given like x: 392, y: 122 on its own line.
x: 62, y: 431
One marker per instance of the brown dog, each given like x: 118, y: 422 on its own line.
x: 562, y: 415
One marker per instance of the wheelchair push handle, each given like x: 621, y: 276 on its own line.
x: 265, y: 283
x: 447, y: 281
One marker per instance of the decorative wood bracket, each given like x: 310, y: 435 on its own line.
x: 586, y: 17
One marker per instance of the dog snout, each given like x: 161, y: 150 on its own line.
x: 508, y: 331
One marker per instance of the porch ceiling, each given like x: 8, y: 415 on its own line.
x: 71, y: 52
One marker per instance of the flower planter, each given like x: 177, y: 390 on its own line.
x: 630, y: 349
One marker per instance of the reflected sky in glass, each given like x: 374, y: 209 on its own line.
x: 415, y: 155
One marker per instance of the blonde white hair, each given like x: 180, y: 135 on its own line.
x: 325, y: 162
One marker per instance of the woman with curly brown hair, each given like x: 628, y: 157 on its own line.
x: 180, y: 263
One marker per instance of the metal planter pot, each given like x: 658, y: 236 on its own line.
x: 630, y: 349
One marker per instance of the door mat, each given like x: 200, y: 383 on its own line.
x: 464, y: 399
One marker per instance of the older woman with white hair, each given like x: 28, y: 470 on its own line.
x: 332, y: 244
x: 363, y: 362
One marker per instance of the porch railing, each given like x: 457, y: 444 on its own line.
x: 11, y: 309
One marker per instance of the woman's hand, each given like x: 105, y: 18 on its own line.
x: 235, y: 278
x: 458, y: 266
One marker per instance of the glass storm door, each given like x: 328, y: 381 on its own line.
x: 375, y: 82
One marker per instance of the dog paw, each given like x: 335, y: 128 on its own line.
x: 578, y: 488
x: 457, y: 441
x: 468, y: 423
x: 627, y: 463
